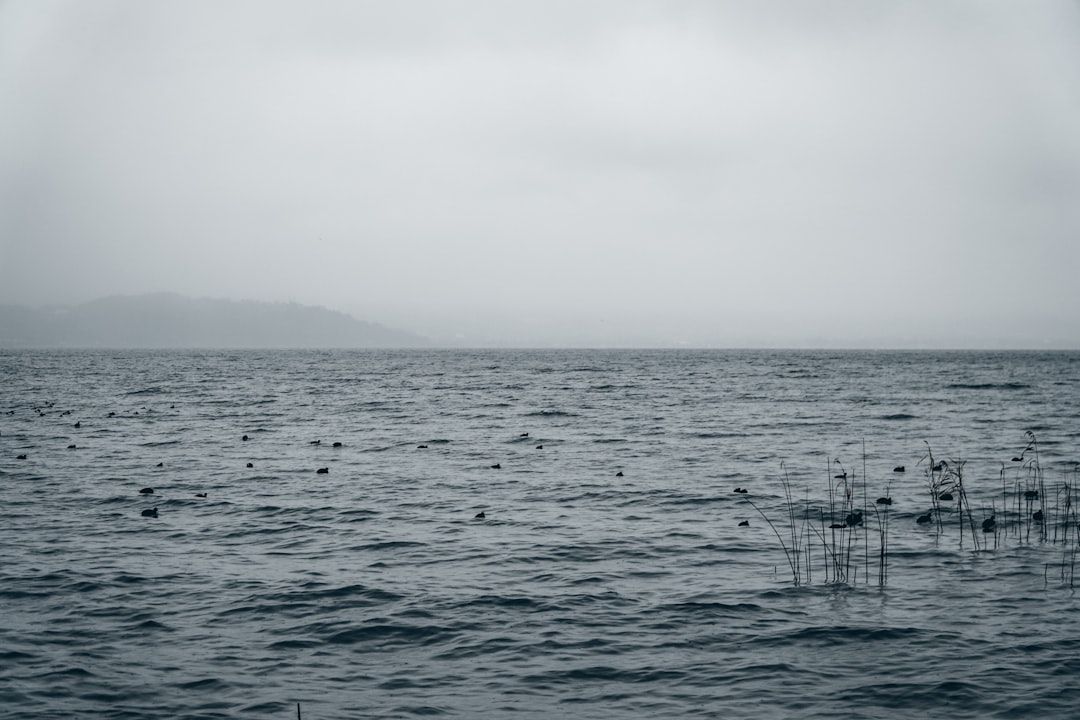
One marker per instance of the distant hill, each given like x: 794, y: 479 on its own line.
x: 165, y: 320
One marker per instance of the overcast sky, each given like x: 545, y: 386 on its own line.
x: 797, y: 173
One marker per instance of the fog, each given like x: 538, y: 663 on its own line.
x: 833, y: 174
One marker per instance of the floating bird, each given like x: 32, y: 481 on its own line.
x: 200, y: 494
x: 524, y: 435
x: 78, y: 424
x: 112, y: 414
x: 315, y: 442
x: 898, y: 468
x: 1037, y: 516
x: 937, y: 467
x: 20, y: 457
x: 421, y: 447
x: 744, y: 523
x: 479, y: 516
x: 884, y: 501
x: 619, y: 474
x: 741, y: 491
x: 161, y: 465
x: 841, y: 476
x: 250, y: 465
x: 1018, y: 459
x: 149, y: 512
x: 923, y: 519
x: 497, y: 466
x: 988, y: 524
x: 946, y: 496
x: 146, y: 491
x: 71, y: 446
x: 322, y: 471
x: 539, y: 447
x: 337, y: 444
x: 854, y: 518
x: 244, y: 438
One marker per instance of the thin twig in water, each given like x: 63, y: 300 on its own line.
x: 791, y: 563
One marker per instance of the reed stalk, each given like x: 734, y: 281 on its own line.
x: 1004, y: 503
x: 933, y: 484
x: 791, y: 515
x: 796, y: 578
x: 865, y: 513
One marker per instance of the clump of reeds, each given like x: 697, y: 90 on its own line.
x: 945, y: 483
x: 839, y: 537
x: 934, y: 484
x: 1037, y: 510
x: 1045, y: 512
x: 1031, y: 490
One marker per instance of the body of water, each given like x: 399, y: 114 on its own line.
x: 614, y: 572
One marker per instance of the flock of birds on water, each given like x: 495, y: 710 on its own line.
x: 152, y: 512
x: 851, y: 520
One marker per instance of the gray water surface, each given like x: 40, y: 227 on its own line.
x: 373, y: 590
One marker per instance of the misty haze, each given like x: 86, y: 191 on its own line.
x: 780, y: 174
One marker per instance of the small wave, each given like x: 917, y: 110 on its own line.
x: 126, y: 579
x: 847, y: 635
x: 354, y: 516
x: 520, y: 603
x: 292, y: 527
x: 21, y: 594
x: 385, y: 632
x: 606, y: 673
x: 550, y: 413
x: 268, y: 709
x: 988, y: 386
x: 68, y: 673
x: 714, y: 608
x: 293, y: 644
x: 695, y: 501
x: 391, y: 545
x: 155, y: 390
x: 341, y: 593
x: 921, y: 695
x: 422, y: 710
x: 204, y: 684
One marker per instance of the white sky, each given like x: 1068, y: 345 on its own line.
x: 714, y: 173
